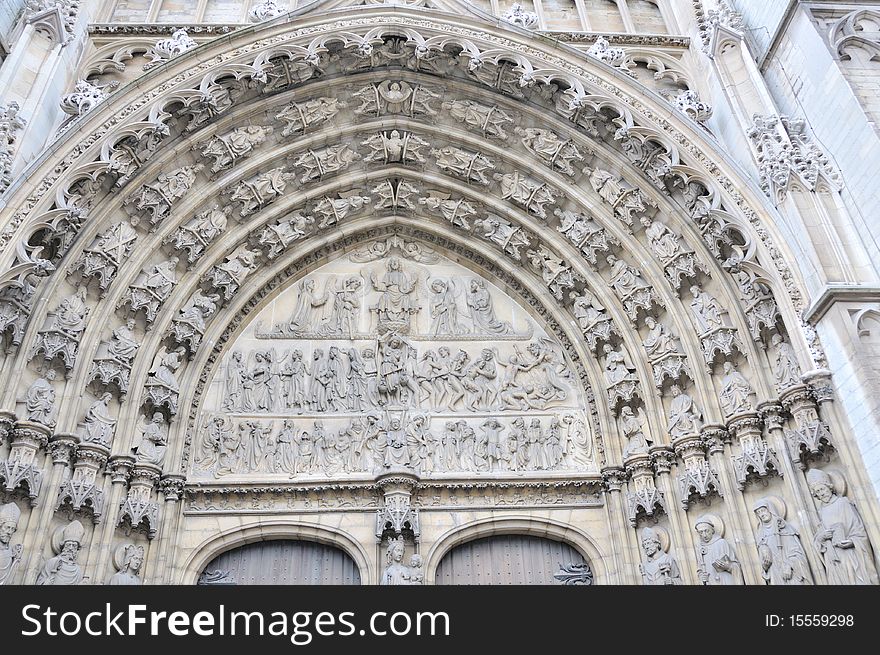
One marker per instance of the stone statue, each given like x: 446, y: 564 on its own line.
x: 154, y: 440
x: 785, y: 365
x: 659, y: 341
x: 99, y: 424
x: 396, y: 572
x: 658, y: 567
x: 10, y: 556
x: 479, y: 302
x: 783, y: 560
x: 343, y: 318
x: 587, y: 309
x: 716, y: 558
x: 617, y: 368
x: 395, y: 302
x: 708, y: 312
x: 128, y: 560
x: 472, y: 166
x: 736, y: 392
x: 685, y: 418
x: 235, y: 374
x: 123, y: 345
x: 508, y: 236
x: 490, y: 120
x: 631, y: 426
x: 444, y: 309
x: 225, y: 149
x: 63, y: 568
x: 40, y: 400
x: 162, y: 386
x: 841, y: 538
x: 528, y: 193
x: 305, y: 314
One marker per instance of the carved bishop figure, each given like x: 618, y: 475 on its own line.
x: 716, y: 559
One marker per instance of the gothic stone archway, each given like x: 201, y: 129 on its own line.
x: 166, y: 221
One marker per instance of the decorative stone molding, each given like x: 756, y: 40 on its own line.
x: 755, y: 459
x: 10, y: 124
x: 81, y: 490
x: 138, y: 507
x: 711, y: 21
x: 266, y: 10
x: 849, y: 32
x: 55, y: 18
x: 397, y: 514
x: 698, y: 478
x: 643, y: 499
x: 517, y: 15
x: 172, y: 487
x: 784, y: 150
x: 85, y: 97
x: 165, y: 49
x: 689, y: 103
x: 20, y: 469
x: 602, y: 50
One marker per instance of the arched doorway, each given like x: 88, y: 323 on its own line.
x: 513, y: 559
x: 282, y: 562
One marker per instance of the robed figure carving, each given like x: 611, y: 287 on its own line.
x: 395, y: 302
x: 841, y: 538
x: 782, y: 556
x: 63, y: 569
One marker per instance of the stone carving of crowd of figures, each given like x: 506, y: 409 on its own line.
x: 64, y: 567
x: 394, y: 373
x: 456, y: 308
x: 840, y: 540
x: 374, y: 443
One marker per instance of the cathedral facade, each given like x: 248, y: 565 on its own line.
x: 439, y: 292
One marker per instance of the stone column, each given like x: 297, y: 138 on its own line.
x: 792, y: 466
x: 663, y: 458
x: 120, y: 467
x: 83, y: 489
x: 171, y: 487
x: 613, y: 479
x: 60, y: 447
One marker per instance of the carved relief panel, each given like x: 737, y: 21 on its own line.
x: 393, y: 357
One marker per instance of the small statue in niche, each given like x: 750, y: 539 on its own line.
x: 716, y: 558
x: 632, y: 427
x: 128, y: 560
x: 10, y: 556
x: 658, y: 567
x: 396, y: 572
x: 785, y: 364
x: 63, y: 568
x: 99, y: 424
x: 154, y: 440
x: 841, y: 538
x: 736, y: 392
x: 685, y: 418
x: 783, y: 560
x: 40, y: 400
